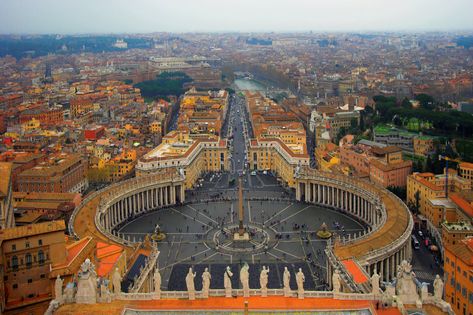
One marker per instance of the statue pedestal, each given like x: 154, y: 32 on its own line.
x: 264, y: 292
x: 86, y: 290
x: 243, y: 237
x: 228, y: 292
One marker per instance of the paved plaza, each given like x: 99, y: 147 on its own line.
x: 283, y: 234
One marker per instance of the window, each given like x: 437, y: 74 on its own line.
x: 42, y: 276
x: 30, y: 280
x: 40, y: 242
x: 27, y: 244
x: 14, y: 263
x: 13, y: 247
x: 29, y: 260
x: 40, y: 257
x: 15, y: 286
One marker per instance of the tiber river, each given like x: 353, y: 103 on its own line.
x: 244, y: 84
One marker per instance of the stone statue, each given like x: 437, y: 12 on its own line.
x: 263, y: 281
x: 244, y: 279
x: 405, y: 284
x: 117, y: 282
x: 300, y: 279
x: 190, y: 284
x: 53, y: 306
x: 87, y: 284
x: 336, y: 281
x: 105, y: 296
x: 206, y: 283
x: 58, y: 289
x: 375, y: 283
x: 227, y: 282
x: 438, y: 288
x: 157, y: 283
x: 69, y: 293
x: 286, y: 280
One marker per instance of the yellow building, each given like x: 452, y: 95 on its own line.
x: 192, y: 156
x: 7, y: 218
x: 327, y: 156
x: 423, y: 188
x: 155, y: 127
x: 465, y: 170
x: 118, y: 167
x: 31, y: 125
x: 458, y: 276
x: 275, y: 156
x: 423, y: 145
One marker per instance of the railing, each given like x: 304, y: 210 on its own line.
x: 149, y: 267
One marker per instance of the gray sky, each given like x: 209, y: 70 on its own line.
x: 132, y: 16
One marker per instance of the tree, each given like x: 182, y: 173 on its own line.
x: 426, y: 101
x: 406, y: 103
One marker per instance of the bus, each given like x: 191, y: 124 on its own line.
x: 415, y: 242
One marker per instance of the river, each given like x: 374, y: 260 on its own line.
x: 252, y: 85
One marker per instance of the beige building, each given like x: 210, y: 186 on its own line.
x: 28, y: 252
x: 6, y: 205
x: 192, y: 156
x: 275, y: 156
x: 424, y: 188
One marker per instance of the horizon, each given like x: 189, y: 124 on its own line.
x: 30, y: 17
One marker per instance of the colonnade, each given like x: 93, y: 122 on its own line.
x: 366, y: 205
x: 137, y: 201
x: 363, y: 207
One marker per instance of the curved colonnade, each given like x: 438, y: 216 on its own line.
x: 387, y: 240
x: 382, y: 247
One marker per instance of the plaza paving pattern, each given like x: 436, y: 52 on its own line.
x: 188, y: 242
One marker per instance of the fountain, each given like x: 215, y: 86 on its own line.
x: 324, y: 233
x: 158, y: 235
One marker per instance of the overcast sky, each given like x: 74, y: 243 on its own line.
x: 136, y: 16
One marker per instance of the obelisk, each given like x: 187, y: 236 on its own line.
x: 241, y: 235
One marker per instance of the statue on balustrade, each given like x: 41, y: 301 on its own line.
x: 263, y: 281
x: 206, y: 277
x: 87, y: 284
x: 438, y: 288
x: 286, y: 280
x: 375, y: 283
x: 227, y: 281
x: 116, y: 282
x: 300, y: 279
x: 58, y: 289
x: 244, y: 279
x: 190, y: 284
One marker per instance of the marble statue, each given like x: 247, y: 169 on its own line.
x: 244, y: 279
x: 157, y: 284
x: 438, y: 288
x: 227, y: 282
x: 190, y: 284
x: 375, y: 283
x: 117, y: 282
x: 87, y: 284
x: 300, y: 279
x: 206, y: 283
x: 53, y: 306
x: 69, y: 293
x: 405, y: 284
x: 58, y: 289
x: 263, y: 281
x: 286, y: 280
x: 336, y: 281
x: 105, y: 296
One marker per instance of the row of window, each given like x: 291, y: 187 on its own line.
x: 15, y: 262
x: 27, y: 244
